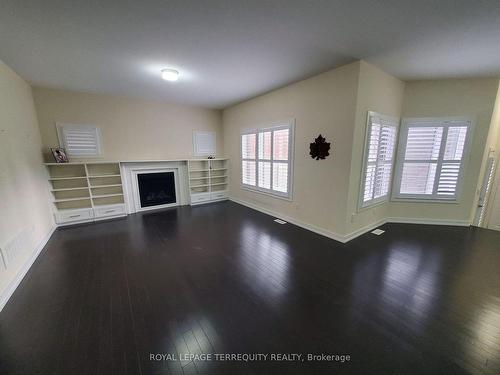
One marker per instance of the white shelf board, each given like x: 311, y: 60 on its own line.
x: 66, y: 178
x: 218, y: 183
x: 104, y: 186
x: 70, y: 189
x: 199, y: 178
x: 71, y: 199
x: 198, y: 186
x: 103, y: 163
x: 134, y: 161
x: 218, y: 169
x: 62, y: 164
x: 104, y: 175
x: 199, y: 170
x: 107, y: 195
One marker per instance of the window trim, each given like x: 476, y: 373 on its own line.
x: 277, y: 125
x: 398, y: 172
x: 386, y: 198
x: 60, y: 136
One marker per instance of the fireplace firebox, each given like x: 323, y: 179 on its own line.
x: 156, y: 189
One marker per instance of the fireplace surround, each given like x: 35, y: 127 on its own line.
x: 157, y: 177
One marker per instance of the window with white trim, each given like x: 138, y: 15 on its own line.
x: 266, y: 160
x: 431, y: 158
x: 80, y: 140
x: 380, y: 144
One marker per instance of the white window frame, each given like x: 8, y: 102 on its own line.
x: 380, y: 200
x: 431, y: 122
x: 62, y: 142
x: 286, y: 124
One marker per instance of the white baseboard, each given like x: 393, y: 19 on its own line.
x: 407, y: 220
x: 312, y: 228
x: 365, y: 229
x: 356, y: 233
x: 7, y: 293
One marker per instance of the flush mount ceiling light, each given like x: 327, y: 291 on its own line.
x: 170, y: 75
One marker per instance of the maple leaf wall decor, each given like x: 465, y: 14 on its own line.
x: 319, y: 149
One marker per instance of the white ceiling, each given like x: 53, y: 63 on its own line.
x: 231, y: 50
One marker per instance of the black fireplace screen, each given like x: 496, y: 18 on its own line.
x: 156, y: 188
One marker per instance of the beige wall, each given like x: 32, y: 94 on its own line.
x: 132, y: 129
x: 379, y: 92
x: 324, y: 104
x: 25, y: 215
x: 335, y: 104
x: 474, y: 98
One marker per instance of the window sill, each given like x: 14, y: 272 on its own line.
x: 421, y: 200
x: 282, y: 197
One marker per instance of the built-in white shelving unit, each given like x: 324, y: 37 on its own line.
x: 208, y: 180
x: 83, y: 192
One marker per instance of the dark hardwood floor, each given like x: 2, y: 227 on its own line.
x: 101, y: 298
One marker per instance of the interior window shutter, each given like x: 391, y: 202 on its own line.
x: 452, y: 160
x: 264, y: 156
x: 420, y: 161
x: 432, y: 158
x: 248, y: 155
x: 379, y: 157
x: 204, y: 143
x: 281, y: 144
x: 385, y: 156
x: 80, y: 140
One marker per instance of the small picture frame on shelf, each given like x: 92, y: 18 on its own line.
x: 59, y: 154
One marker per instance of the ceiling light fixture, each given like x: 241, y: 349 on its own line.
x: 170, y: 75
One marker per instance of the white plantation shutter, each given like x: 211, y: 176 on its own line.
x: 431, y: 158
x: 248, y: 146
x: 485, y: 190
x: 265, y: 145
x: 264, y: 173
x: 452, y: 160
x: 266, y: 159
x: 204, y: 143
x: 418, y: 178
x: 421, y: 156
x: 281, y: 140
x: 280, y: 177
x: 378, y: 160
x: 80, y: 140
x: 248, y: 170
x: 280, y: 144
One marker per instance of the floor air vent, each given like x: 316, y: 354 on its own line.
x: 279, y: 221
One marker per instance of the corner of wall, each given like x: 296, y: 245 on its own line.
x: 377, y: 91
